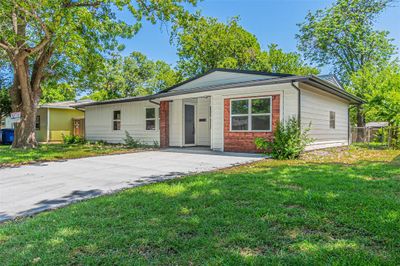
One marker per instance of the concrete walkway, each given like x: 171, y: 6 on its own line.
x: 30, y: 189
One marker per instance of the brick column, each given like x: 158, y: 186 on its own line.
x: 164, y: 124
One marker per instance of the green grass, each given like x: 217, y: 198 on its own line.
x: 331, y: 207
x: 52, y: 152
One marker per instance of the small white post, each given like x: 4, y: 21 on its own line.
x: 48, y: 126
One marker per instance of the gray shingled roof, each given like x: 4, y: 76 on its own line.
x: 313, y: 80
x: 65, y: 104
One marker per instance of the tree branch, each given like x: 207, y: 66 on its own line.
x: 44, y: 27
x: 87, y: 4
x: 38, y: 68
x: 14, y: 21
x: 4, y: 45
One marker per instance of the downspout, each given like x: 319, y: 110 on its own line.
x: 348, y: 127
x: 48, y: 125
x: 298, y: 103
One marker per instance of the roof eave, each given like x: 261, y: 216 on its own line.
x: 331, y: 88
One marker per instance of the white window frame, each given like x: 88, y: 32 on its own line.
x: 249, y: 115
x: 155, y: 118
x: 116, y: 120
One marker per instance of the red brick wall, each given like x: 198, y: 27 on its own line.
x: 244, y: 141
x: 164, y: 124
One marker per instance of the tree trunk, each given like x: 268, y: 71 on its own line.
x: 24, y: 100
x: 25, y: 130
x: 360, y: 124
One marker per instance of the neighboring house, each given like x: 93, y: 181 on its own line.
x: 226, y: 110
x: 53, y: 120
x: 6, y: 123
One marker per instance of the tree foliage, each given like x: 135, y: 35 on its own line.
x: 204, y: 43
x: 81, y: 32
x: 277, y: 61
x: 343, y: 36
x: 129, y: 76
x: 5, y: 100
x: 381, y: 87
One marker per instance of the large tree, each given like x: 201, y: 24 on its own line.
x: 381, y: 89
x: 277, y: 61
x: 205, y: 43
x: 343, y: 36
x: 82, y: 31
x: 128, y: 76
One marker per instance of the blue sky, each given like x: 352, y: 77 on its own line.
x: 272, y: 21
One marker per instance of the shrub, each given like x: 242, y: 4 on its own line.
x: 71, y: 139
x: 130, y: 142
x: 288, y: 143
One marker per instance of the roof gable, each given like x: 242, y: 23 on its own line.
x: 331, y: 79
x: 220, y: 76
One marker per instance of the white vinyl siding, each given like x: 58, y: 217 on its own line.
x: 99, y: 122
x: 316, y: 109
x: 217, y: 122
x: 203, y: 122
x: 176, y: 123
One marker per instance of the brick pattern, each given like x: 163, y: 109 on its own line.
x: 164, y: 124
x: 244, y: 141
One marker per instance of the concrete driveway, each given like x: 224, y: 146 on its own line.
x: 29, y: 189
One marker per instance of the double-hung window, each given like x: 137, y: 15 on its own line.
x: 150, y: 118
x: 253, y: 114
x: 37, y: 122
x: 117, y: 120
x: 332, y: 119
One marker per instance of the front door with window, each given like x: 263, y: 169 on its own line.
x: 189, y: 124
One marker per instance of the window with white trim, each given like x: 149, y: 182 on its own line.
x: 332, y: 119
x: 252, y: 114
x: 117, y: 120
x: 150, y: 118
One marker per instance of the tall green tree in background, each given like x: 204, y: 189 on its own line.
x: 82, y: 31
x: 381, y: 89
x: 277, y: 61
x: 204, y: 43
x: 133, y: 75
x: 5, y: 100
x: 343, y: 36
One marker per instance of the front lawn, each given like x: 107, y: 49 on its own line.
x: 331, y: 207
x: 50, y: 152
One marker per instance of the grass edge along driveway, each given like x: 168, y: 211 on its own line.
x: 55, y: 152
x: 331, y: 207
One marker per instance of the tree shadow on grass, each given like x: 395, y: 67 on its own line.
x: 299, y: 214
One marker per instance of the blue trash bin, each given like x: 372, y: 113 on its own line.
x: 7, y: 135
